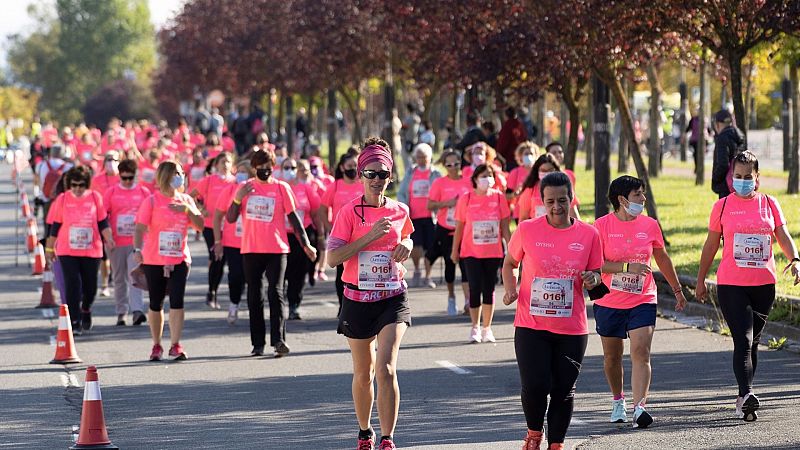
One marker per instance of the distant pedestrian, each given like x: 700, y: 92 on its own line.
x: 512, y: 133
x: 728, y: 142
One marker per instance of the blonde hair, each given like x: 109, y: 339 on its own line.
x: 527, y: 145
x: 166, y: 170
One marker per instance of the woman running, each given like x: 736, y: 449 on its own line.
x: 482, y: 218
x: 630, y: 240
x: 530, y: 203
x: 122, y: 202
x: 101, y: 182
x: 371, y: 237
x: 746, y: 221
x: 228, y: 240
x: 560, y: 256
x: 206, y: 193
x: 414, y: 191
x: 159, y: 245
x: 263, y: 202
x: 345, y: 189
x: 78, y: 219
x: 444, y: 194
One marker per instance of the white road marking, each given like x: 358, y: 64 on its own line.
x: 450, y: 366
x: 69, y: 380
x: 48, y: 313
x: 330, y: 304
x: 52, y: 340
x: 578, y: 422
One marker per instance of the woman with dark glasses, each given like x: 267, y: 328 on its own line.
x: 78, y: 218
x: 109, y: 176
x: 371, y: 238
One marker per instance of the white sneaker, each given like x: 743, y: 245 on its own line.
x: 429, y: 283
x: 233, y: 313
x: 739, y: 403
x: 619, y: 411
x: 487, y: 335
x: 475, y: 335
x: 106, y: 292
x: 451, y: 305
x: 641, y: 418
x: 750, y: 405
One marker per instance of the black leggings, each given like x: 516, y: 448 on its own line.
x: 745, y: 309
x: 158, y: 285
x: 339, y: 286
x: 299, y: 264
x: 255, y: 266
x: 80, y: 283
x: 482, y: 277
x: 442, y: 246
x: 233, y: 258
x: 215, y: 267
x: 549, y: 364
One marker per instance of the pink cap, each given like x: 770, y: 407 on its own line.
x: 375, y: 153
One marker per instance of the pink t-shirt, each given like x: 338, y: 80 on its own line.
x: 231, y: 232
x: 552, y: 262
x: 147, y: 175
x: 444, y: 189
x: 165, y: 241
x: 264, y: 213
x: 197, y: 172
x: 79, y: 234
x: 481, y: 216
x: 339, y: 194
x: 307, y: 203
x: 209, y: 189
x: 517, y: 176
x: 530, y: 205
x: 122, y: 205
x: 102, y: 181
x: 349, y: 227
x: 630, y: 242
x: 418, y: 190
x: 748, y: 228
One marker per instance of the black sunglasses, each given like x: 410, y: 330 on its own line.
x: 127, y: 178
x: 371, y: 174
x: 453, y: 165
x: 290, y: 168
x: 77, y: 185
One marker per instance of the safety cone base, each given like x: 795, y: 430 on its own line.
x: 107, y: 446
x: 66, y: 361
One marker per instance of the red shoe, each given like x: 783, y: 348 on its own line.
x: 156, y: 353
x: 387, y: 444
x: 365, y: 444
x: 176, y: 352
x: 532, y: 441
x: 556, y: 447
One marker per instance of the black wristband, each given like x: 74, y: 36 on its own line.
x: 598, y: 292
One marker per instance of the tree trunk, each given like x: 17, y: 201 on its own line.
x: 572, y: 102
x: 290, y: 124
x: 590, y: 131
x: 333, y: 127
x: 735, y: 64
x: 281, y: 116
x: 540, y: 118
x: 786, y: 120
x: 654, y: 149
x: 638, y: 162
x: 794, y: 172
x: 353, y: 108
x: 701, y: 140
x: 683, y: 123
x: 623, y: 150
x: 602, y: 150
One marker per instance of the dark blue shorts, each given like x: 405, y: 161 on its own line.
x: 612, y: 322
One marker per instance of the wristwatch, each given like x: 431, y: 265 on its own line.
x: 137, y: 250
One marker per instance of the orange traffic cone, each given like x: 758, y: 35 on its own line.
x: 38, y: 260
x: 47, y: 300
x: 25, y: 205
x: 31, y: 239
x: 93, y: 432
x: 65, y: 344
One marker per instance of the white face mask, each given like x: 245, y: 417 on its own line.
x: 478, y: 159
x: 484, y: 183
x: 528, y: 160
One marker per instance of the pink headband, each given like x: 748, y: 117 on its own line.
x: 374, y: 153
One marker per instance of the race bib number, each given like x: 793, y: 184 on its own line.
x: 485, y: 232
x: 260, y: 208
x: 450, y: 220
x: 420, y: 188
x: 551, y: 297
x: 87, y: 156
x: 540, y: 211
x: 239, y: 227
x: 170, y: 243
x: 148, y: 175
x: 377, y: 271
x: 751, y: 251
x: 198, y: 173
x: 80, y: 238
x: 630, y: 283
x: 126, y: 224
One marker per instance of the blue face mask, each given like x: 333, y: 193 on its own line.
x: 289, y: 175
x: 241, y: 177
x: 634, y: 209
x: 744, y: 187
x: 177, y: 181
x: 527, y: 160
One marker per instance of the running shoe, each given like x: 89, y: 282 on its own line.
x: 451, y: 305
x: 386, y: 444
x: 281, y: 349
x: 86, y: 320
x: 76, y: 328
x: 156, y: 353
x: 176, y: 352
x: 294, y: 314
x: 487, y: 335
x: 532, y: 441
x: 641, y: 418
x: 211, y: 300
x: 105, y: 292
x: 321, y: 275
x: 429, y: 283
x: 750, y: 405
x: 475, y: 335
x: 121, y: 320
x: 258, y: 350
x: 619, y: 411
x: 233, y: 313
x: 139, y: 317
x: 366, y: 443
x: 415, y: 279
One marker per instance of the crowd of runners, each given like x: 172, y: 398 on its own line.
x: 121, y: 205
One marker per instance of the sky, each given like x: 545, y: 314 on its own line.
x: 14, y: 17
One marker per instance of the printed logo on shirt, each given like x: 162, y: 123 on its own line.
x: 576, y: 247
x: 737, y: 213
x: 616, y: 235
x: 642, y: 236
x: 545, y: 244
x: 380, y: 258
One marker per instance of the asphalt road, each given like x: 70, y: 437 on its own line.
x: 454, y: 395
